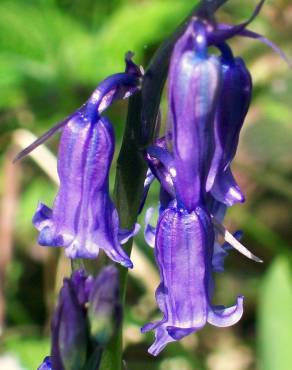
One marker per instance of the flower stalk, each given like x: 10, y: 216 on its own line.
x: 131, y: 166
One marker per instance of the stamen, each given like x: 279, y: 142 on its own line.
x: 230, y: 239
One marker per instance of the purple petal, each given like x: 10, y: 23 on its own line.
x: 84, y: 218
x: 147, y: 184
x: 224, y: 317
x: 42, y: 216
x: 194, y: 84
x: 226, y: 190
x: 180, y: 250
x: 162, y: 338
x: 215, y: 208
x: 124, y: 234
x: 149, y: 231
x: 221, y: 252
x: 218, y: 258
x: 162, y: 166
x: 69, y: 337
x: 46, y: 365
x: 82, y: 286
x: 232, y: 108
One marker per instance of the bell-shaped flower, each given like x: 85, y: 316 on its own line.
x: 231, y: 111
x: 183, y: 251
x: 83, y: 218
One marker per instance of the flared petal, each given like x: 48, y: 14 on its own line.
x: 125, y: 234
x: 223, y: 317
x: 149, y: 230
x: 46, y: 365
x: 147, y: 184
x: 226, y: 190
x: 83, y: 218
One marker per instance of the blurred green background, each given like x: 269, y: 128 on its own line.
x: 52, y: 55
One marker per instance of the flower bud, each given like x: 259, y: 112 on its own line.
x: 69, y: 335
x: 104, y: 310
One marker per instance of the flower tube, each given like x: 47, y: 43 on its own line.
x: 83, y: 218
x: 184, y: 250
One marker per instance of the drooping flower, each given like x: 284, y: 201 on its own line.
x: 87, y: 314
x: 194, y: 85
x: 183, y: 251
x: 208, y: 100
x: 232, y: 108
x: 83, y: 218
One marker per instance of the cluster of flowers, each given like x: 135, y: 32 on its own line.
x: 208, y: 97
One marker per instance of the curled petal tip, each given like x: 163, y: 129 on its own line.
x: 224, y: 317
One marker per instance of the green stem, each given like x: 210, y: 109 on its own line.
x: 131, y: 167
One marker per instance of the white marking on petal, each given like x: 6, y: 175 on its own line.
x: 229, y: 238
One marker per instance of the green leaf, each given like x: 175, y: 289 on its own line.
x: 275, y: 317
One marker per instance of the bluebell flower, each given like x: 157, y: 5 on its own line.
x: 194, y: 86
x: 83, y: 218
x: 184, y: 250
x: 231, y: 111
x: 209, y: 97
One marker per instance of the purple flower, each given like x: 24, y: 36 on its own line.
x: 232, y: 108
x: 184, y: 251
x: 104, y: 310
x: 194, y: 85
x: 46, y: 365
x: 83, y: 218
x: 87, y: 314
x: 69, y: 331
x: 209, y: 98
